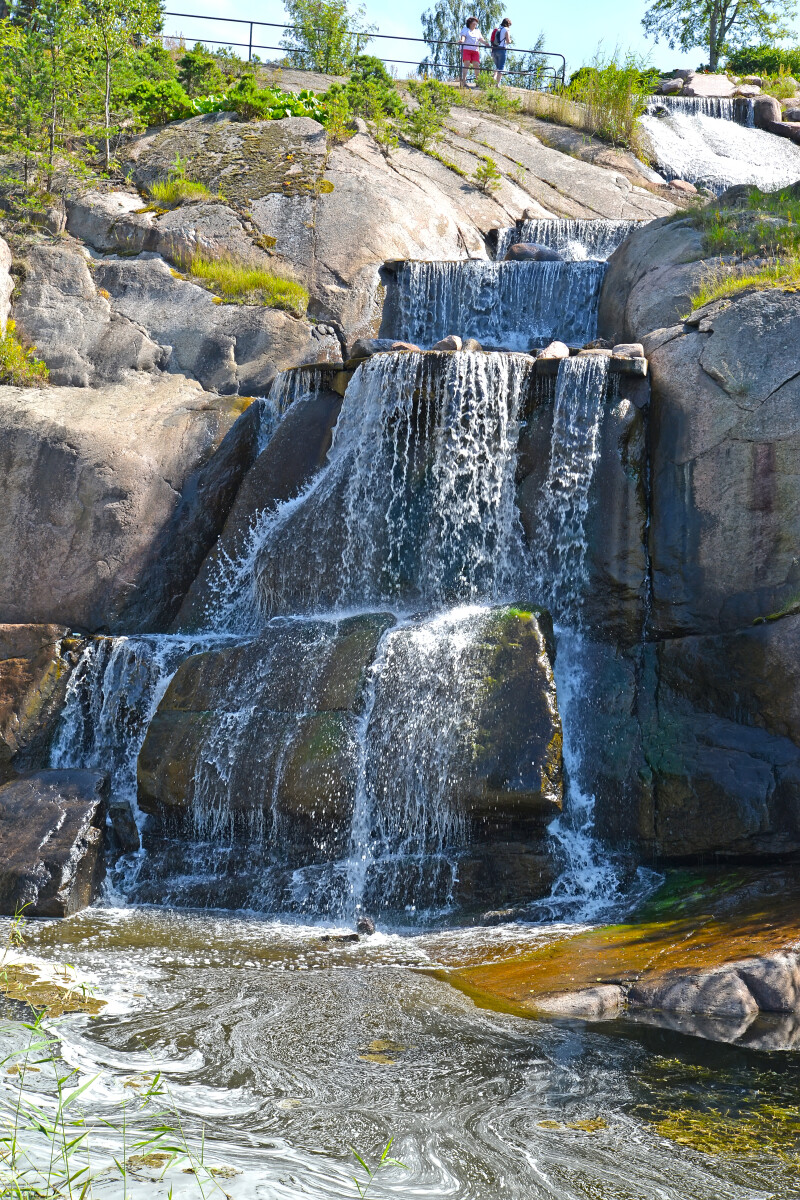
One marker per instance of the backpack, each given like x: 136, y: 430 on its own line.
x: 494, y: 37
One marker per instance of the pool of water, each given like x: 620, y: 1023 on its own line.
x: 281, y: 1047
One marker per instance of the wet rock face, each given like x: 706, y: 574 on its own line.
x: 264, y: 731
x: 296, y: 452
x: 51, y: 842
x: 266, y: 741
x: 35, y: 661
x: 110, y: 499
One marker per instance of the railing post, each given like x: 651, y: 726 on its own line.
x: 250, y: 45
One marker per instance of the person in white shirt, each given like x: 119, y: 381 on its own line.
x: 471, y: 38
x: 500, y: 42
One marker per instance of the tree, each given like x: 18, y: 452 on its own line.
x: 717, y: 24
x: 325, y: 36
x: 115, y: 29
x: 443, y: 24
x: 200, y: 72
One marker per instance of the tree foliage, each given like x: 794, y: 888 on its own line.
x: 326, y: 36
x: 717, y: 25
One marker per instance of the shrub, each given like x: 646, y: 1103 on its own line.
x: 157, y: 101
x: 486, y: 176
x: 781, y: 86
x: 422, y: 126
x: 764, y: 60
x: 151, y: 62
x: 200, y: 72
x: 614, y: 95
x: 19, y: 366
x: 245, y: 283
x: 442, y: 96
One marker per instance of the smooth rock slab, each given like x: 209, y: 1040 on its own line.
x: 51, y: 842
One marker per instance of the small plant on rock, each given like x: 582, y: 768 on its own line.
x: 371, y: 1172
x: 19, y: 366
x: 177, y: 189
x: 486, y: 176
x: 247, y: 283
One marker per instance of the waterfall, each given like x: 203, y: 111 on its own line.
x: 417, y: 734
x: 739, y: 109
x: 416, y: 506
x: 576, y: 240
x: 508, y: 305
x: 588, y: 883
x: 111, y: 698
x: 716, y: 154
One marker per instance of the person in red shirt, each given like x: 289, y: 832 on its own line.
x: 471, y: 38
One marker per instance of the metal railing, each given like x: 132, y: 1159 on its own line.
x: 551, y: 75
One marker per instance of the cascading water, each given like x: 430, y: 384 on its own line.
x: 588, y: 884
x: 716, y: 153
x: 739, y: 109
x: 417, y: 504
x: 509, y: 305
x: 574, y: 240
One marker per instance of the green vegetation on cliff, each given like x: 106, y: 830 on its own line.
x: 756, y: 236
x: 19, y: 366
x: 244, y: 283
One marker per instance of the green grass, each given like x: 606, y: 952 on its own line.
x: 723, y: 280
x: 244, y: 283
x: 18, y: 365
x: 177, y: 190
x: 763, y: 226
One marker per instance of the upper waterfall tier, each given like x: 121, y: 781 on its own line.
x: 506, y: 305
x: 416, y: 506
x: 575, y: 241
x: 716, y: 154
x: 738, y: 109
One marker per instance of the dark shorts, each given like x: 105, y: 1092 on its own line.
x: 499, y: 55
x: 470, y: 56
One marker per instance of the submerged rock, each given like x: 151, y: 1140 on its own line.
x: 51, y: 842
x: 527, y: 251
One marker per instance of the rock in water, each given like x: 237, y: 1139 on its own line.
x: 451, y: 342
x: 365, y: 925
x: 51, y: 842
x: 531, y: 251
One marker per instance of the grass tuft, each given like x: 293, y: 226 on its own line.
x: 245, y: 283
x: 177, y: 190
x: 19, y: 366
x: 724, y: 280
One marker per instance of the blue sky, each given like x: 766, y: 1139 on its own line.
x: 575, y: 29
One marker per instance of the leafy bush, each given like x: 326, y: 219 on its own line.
x: 157, y: 101
x: 764, y: 60
x: 781, y: 86
x: 200, y: 72
x: 244, y: 283
x: 19, y: 366
x: 249, y: 100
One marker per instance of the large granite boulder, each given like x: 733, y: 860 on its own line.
x: 725, y: 463
x: 73, y: 326
x: 51, y: 842
x: 650, y: 279
x: 110, y: 498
